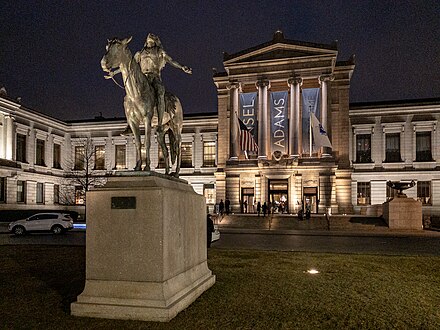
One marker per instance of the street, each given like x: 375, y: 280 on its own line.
x: 427, y: 244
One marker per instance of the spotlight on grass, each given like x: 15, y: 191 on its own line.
x: 312, y: 271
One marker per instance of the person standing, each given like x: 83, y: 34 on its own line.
x: 258, y: 208
x: 209, y: 229
x: 221, y: 207
x: 245, y: 206
x: 264, y: 209
x: 227, y: 206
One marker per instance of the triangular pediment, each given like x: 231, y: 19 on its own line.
x: 280, y: 48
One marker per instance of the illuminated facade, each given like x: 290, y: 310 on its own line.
x: 276, y: 89
x: 269, y: 93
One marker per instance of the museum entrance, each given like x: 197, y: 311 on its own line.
x: 278, y: 194
x: 310, y: 199
x: 247, y: 200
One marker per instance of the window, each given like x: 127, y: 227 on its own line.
x: 79, y: 195
x: 363, y: 193
x: 120, y: 157
x: 2, y: 190
x: 21, y: 191
x: 209, y: 154
x: 363, y: 148
x: 20, y: 150
x: 40, y: 193
x: 57, y: 156
x: 99, y: 157
x: 39, y: 159
x: 186, y: 159
x: 56, y: 194
x: 392, y: 148
x: 424, y: 192
x: 79, y: 158
x: 423, y: 147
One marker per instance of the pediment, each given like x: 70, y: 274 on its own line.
x: 280, y: 48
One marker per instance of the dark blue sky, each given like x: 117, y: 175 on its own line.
x: 50, y: 51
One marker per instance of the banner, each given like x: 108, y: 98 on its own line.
x: 310, y: 104
x: 248, y: 110
x: 279, y: 122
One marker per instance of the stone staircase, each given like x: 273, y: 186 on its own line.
x: 291, y: 222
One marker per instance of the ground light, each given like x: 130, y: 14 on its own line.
x: 312, y: 271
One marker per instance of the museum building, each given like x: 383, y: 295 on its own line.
x: 284, y: 133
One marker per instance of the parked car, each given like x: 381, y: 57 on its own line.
x: 55, y: 222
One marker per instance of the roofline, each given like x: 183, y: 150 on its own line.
x: 394, y: 103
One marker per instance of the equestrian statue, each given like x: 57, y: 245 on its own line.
x: 146, y: 101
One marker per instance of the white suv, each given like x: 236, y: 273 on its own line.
x: 57, y: 223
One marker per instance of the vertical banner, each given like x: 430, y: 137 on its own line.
x: 310, y: 104
x: 248, y: 112
x: 279, y: 122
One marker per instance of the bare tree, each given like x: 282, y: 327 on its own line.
x: 85, y: 170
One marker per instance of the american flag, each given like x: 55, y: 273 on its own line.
x: 247, y: 141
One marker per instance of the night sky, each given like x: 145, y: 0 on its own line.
x: 50, y: 51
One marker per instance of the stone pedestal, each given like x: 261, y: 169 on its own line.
x: 403, y: 213
x: 146, y: 256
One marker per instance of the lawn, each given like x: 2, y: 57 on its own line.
x: 253, y: 290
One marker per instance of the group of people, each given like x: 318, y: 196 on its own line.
x: 224, y: 207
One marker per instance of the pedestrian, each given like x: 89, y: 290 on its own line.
x: 264, y: 209
x: 269, y: 208
x: 227, y: 206
x: 221, y: 207
x: 258, y: 208
x: 245, y: 206
x: 209, y: 229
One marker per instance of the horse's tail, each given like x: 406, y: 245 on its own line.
x: 173, y: 146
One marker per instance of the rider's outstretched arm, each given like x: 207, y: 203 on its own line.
x: 177, y: 64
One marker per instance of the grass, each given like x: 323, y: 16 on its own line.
x: 253, y: 290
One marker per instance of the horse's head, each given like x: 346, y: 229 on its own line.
x: 115, y: 51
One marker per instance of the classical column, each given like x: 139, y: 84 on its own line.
x: 323, y: 80
x: 263, y: 123
x: 295, y: 128
x: 234, y: 126
x: 9, y: 136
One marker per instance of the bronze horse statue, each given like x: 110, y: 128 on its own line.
x: 140, y: 105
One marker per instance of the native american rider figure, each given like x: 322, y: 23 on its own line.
x: 152, y: 59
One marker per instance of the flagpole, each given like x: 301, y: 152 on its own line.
x: 310, y: 130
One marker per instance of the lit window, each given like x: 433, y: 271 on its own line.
x: 79, y: 195
x: 56, y: 194
x: 363, y: 193
x: 40, y: 193
x: 39, y: 155
x: 423, y: 147
x: 99, y: 157
x: 424, y: 192
x: 79, y: 157
x: 57, y: 156
x: 209, y: 193
x: 363, y: 148
x: 392, y: 148
x: 186, y: 155
x: 208, y: 154
x: 21, y: 191
x: 120, y: 156
x: 20, y: 150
